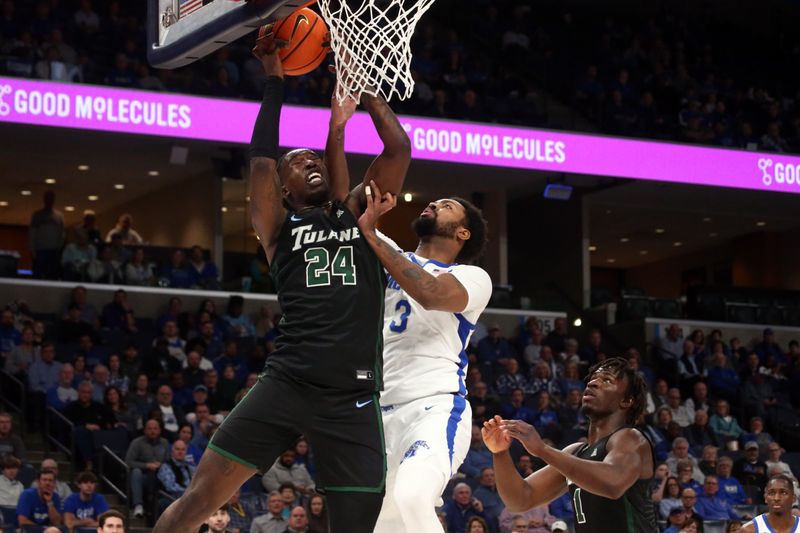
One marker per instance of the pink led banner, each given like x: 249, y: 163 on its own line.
x: 190, y: 117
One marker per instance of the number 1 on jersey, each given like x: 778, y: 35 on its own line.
x: 576, y: 501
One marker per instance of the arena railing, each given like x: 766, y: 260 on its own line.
x: 10, y: 385
x: 54, y: 439
x: 109, y: 459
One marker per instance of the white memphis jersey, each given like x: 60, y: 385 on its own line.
x: 424, y: 351
x: 762, y: 526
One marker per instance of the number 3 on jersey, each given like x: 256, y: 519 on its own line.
x: 318, y: 263
x: 405, y: 309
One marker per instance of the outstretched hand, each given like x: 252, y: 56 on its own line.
x: 494, y: 437
x: 342, y: 112
x: 266, y: 51
x: 526, y: 434
x: 377, y: 205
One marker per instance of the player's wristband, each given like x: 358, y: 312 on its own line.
x: 264, y: 142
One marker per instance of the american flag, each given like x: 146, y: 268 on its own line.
x: 187, y: 7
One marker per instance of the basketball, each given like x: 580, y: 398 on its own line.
x: 306, y: 33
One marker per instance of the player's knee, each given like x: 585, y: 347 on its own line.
x: 409, y: 497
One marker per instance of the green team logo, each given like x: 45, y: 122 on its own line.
x: 320, y: 268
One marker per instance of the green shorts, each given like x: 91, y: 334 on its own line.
x: 344, y: 428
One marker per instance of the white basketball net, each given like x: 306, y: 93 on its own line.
x: 371, y: 41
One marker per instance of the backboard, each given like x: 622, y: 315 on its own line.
x: 182, y: 31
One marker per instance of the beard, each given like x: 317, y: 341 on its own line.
x: 428, y: 227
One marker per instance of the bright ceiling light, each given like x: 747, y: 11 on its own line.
x: 677, y: 243
x: 592, y: 248
x: 577, y: 323
x: 153, y: 173
x: 93, y: 197
x: 50, y: 181
x: 224, y: 209
x: 660, y: 230
x: 643, y: 252
x: 761, y: 223
x: 83, y: 168
x: 706, y: 219
x: 408, y: 197
x: 624, y: 239
x: 611, y: 260
x: 25, y: 192
x: 69, y: 208
x: 3, y: 203
x: 119, y: 186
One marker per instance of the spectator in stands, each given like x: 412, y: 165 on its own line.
x: 573, y: 421
x: 140, y: 396
x: 130, y: 364
x: 193, y: 374
x: 589, y: 352
x: 88, y: 416
x: 63, y: 393
x: 708, y: 460
x: 757, y: 434
x: 22, y: 355
x: 230, y: 357
x: 203, y: 424
x: 115, y: 376
x: 108, y: 267
x: 461, y: 508
x: 43, y: 375
x: 773, y: 461
x: 175, y: 344
x: 710, y: 506
x: 535, y: 520
x: 686, y: 472
x: 570, y: 379
x: 46, y: 239
x: 212, y: 341
x: 273, y: 521
x: 510, y: 378
x: 239, y: 324
x: 304, y: 456
x: 205, y: 272
x: 494, y: 350
x: 699, y: 434
x: 241, y: 512
x: 670, y: 497
x: 118, y: 314
x: 317, y: 511
x: 635, y: 362
x: 768, y: 347
x: 658, y: 433
x: 40, y: 505
x: 729, y: 486
x: 10, y: 487
x: 284, y: 470
x: 680, y: 413
x: 218, y: 522
x: 176, y: 274
x: 88, y: 312
x: 478, y: 455
x: 76, y: 257
x: 176, y: 473
x: 690, y: 363
x: 9, y: 334
x: 533, y: 345
x: 515, y: 408
x: 723, y: 380
x: 689, y: 500
x: 676, y: 520
x: 193, y: 453
x: 545, y: 418
x: 99, y: 382
x: 125, y: 230
x: 670, y: 347
x: 660, y: 393
x: 750, y: 470
x: 487, y: 493
x: 89, y: 222
x: 699, y: 398
x: 556, y: 338
x: 758, y: 396
x: 138, y: 271
x: 173, y: 414
x: 73, y: 327
x: 723, y: 424
x: 144, y: 457
x: 543, y: 380
x: 82, y: 508
x: 680, y: 453
x: 126, y: 415
x: 483, y: 406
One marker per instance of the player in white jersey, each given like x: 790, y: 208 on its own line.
x: 779, y: 497
x: 432, y: 305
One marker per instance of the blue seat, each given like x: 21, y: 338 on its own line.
x: 9, y: 514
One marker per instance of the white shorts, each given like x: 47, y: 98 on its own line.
x: 439, y: 426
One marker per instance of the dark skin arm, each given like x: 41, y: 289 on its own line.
x: 389, y: 169
x: 267, y: 213
x: 518, y: 494
x: 438, y: 293
x: 620, y: 469
x: 335, y: 160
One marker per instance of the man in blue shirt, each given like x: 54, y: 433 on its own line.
x: 729, y: 486
x: 175, y: 473
x: 712, y: 507
x: 82, y: 509
x: 9, y: 335
x: 515, y: 409
x: 40, y: 505
x: 461, y: 508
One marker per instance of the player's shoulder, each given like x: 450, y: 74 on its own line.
x: 475, y: 273
x: 628, y: 437
x: 749, y: 527
x: 388, y: 240
x: 572, y: 448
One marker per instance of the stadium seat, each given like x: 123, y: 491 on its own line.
x: 714, y: 526
x: 9, y: 514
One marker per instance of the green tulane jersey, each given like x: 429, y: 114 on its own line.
x: 331, y: 288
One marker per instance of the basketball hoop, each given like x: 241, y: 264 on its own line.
x: 371, y: 41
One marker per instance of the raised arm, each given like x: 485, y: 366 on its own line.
x: 518, y: 494
x: 609, y: 478
x: 435, y: 293
x: 266, y: 210
x: 335, y: 159
x: 389, y: 169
